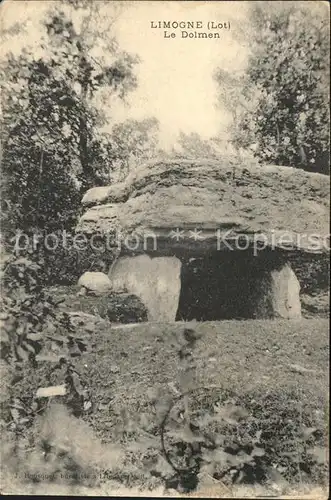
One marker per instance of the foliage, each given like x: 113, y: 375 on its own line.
x: 249, y: 436
x: 53, y: 120
x: 61, y: 257
x: 53, y: 149
x: 35, y: 331
x: 196, y: 433
x: 313, y: 273
x: 193, y: 145
x: 44, y: 439
x: 132, y: 142
x: 213, y: 432
x: 280, y: 105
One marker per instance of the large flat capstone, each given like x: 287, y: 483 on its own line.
x: 194, y: 204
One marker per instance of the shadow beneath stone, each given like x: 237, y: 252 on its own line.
x: 231, y: 285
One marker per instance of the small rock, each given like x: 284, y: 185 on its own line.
x: 96, y: 283
x: 87, y: 405
x: 48, y: 392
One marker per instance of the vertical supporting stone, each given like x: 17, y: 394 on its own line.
x: 280, y: 297
x: 156, y: 281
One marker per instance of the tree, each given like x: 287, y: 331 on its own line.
x: 281, y: 103
x: 195, y: 146
x: 52, y: 148
x: 132, y: 142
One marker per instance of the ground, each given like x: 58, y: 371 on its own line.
x: 274, y: 372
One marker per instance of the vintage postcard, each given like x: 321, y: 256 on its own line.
x: 165, y: 248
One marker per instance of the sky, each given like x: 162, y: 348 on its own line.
x: 175, y: 76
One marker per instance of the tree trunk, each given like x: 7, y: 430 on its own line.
x: 87, y: 170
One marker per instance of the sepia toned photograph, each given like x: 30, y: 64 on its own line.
x: 165, y: 246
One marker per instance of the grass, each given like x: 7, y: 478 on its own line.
x: 275, y: 370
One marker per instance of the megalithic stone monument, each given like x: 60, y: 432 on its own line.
x: 210, y: 239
